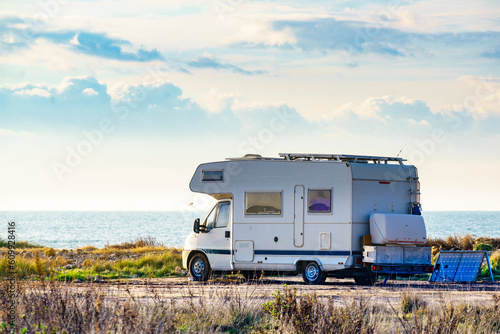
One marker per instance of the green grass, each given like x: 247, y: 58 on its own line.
x: 150, y: 265
x: 495, y: 267
x: 25, y: 269
x: 20, y: 244
x: 48, y: 263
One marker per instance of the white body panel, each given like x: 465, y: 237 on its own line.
x: 397, y: 229
x: 294, y: 233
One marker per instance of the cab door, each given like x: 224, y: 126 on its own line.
x: 216, y: 239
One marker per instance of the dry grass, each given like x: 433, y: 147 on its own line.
x: 411, y: 302
x: 51, y: 307
x: 465, y: 242
x: 139, y: 250
x: 142, y: 242
x: 309, y: 314
x: 47, y: 306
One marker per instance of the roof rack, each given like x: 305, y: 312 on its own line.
x: 340, y: 157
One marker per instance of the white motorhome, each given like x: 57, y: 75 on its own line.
x: 308, y: 213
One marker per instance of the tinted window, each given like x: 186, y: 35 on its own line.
x: 319, y: 200
x: 263, y: 203
x: 209, y: 223
x: 223, y: 215
x: 211, y: 175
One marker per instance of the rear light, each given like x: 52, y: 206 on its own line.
x: 429, y: 269
x: 376, y: 268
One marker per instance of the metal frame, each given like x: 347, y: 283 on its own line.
x: 340, y: 158
x: 328, y: 157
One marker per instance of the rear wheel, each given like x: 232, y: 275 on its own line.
x: 365, y: 278
x: 312, y: 274
x: 199, y: 268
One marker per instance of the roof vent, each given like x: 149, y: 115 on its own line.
x: 252, y: 156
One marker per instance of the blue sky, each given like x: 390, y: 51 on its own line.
x: 108, y: 105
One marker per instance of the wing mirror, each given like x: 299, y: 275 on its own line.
x: 196, y: 227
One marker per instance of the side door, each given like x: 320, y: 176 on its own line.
x: 298, y: 221
x: 216, y: 243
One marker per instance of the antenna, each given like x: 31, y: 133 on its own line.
x: 401, y: 150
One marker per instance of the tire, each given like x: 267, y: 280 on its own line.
x: 249, y: 275
x: 312, y: 274
x: 199, y: 267
x: 366, y: 278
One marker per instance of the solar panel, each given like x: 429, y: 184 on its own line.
x: 458, y: 266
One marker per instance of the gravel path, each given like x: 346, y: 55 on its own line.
x: 181, y: 289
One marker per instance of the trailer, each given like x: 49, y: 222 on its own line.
x: 319, y: 215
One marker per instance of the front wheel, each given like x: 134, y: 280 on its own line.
x: 199, y: 268
x: 312, y: 274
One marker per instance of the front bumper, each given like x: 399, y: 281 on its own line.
x: 185, y: 257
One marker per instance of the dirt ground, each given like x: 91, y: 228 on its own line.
x: 344, y: 291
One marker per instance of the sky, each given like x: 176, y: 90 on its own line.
x: 111, y: 105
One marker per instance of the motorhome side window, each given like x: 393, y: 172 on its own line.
x: 319, y: 200
x: 263, y: 203
x: 211, y: 175
x: 218, y: 217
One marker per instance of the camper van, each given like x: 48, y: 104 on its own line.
x: 317, y: 215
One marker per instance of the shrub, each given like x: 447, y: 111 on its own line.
x: 148, y: 241
x: 50, y: 252
x: 306, y: 314
x: 411, y: 302
x: 481, y: 246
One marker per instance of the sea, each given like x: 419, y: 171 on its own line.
x: 73, y: 229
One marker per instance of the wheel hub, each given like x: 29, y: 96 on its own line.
x: 198, y: 267
x: 312, y: 272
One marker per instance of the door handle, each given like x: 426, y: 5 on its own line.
x: 227, y: 234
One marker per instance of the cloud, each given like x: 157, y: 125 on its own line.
x: 17, y: 33
x: 103, y: 46
x: 11, y: 36
x: 491, y: 54
x: 390, y: 117
x: 80, y: 103
x: 28, y: 106
x: 208, y: 61
x: 357, y: 37
x: 7, y: 132
x: 33, y: 91
x: 215, y: 101
x: 90, y: 91
x: 161, y: 110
